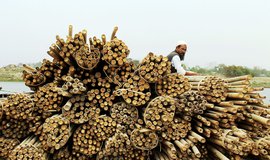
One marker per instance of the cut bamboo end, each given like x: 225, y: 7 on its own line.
x: 260, y: 119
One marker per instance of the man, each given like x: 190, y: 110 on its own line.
x: 177, y: 58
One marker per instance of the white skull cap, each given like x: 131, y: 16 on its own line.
x: 181, y: 43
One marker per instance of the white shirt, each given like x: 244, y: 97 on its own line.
x: 177, y: 64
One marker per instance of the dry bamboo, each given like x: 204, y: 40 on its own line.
x: 172, y: 85
x: 159, y: 112
x: 115, y: 52
x: 7, y: 145
x: 144, y: 139
x: 55, y: 133
x: 18, y: 106
x: 124, y: 114
x: 213, y: 88
x: 48, y: 99
x: 79, y: 110
x: 154, y: 67
x: 28, y: 149
x: 136, y: 91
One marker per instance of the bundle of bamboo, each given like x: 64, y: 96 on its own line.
x: 79, y: 110
x: 55, y: 133
x: 48, y: 99
x: 19, y: 106
x: 115, y: 51
x: 28, y: 149
x: 213, y: 88
x: 91, y: 103
x: 154, y: 67
x: 136, y: 91
x: 159, y: 112
x: 7, y: 145
x: 172, y: 85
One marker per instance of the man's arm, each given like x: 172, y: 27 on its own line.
x: 190, y: 73
x: 177, y: 64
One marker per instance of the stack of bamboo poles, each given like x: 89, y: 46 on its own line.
x: 135, y: 91
x: 32, y: 77
x: 172, y: 85
x: 48, y: 99
x: 79, y: 110
x: 7, y: 145
x: 55, y: 133
x: 28, y: 149
x: 87, y: 58
x: 154, y: 67
x: 117, y: 146
x: 191, y: 103
x: 11, y: 128
x: 115, y: 52
x: 144, y: 139
x: 50, y: 70
x: 124, y: 73
x: 19, y: 106
x: 63, y: 154
x: 73, y: 85
x: 83, y: 141
x: 89, y: 102
x: 159, y: 112
x: 213, y: 88
x: 124, y: 114
x: 102, y: 94
x: 177, y: 130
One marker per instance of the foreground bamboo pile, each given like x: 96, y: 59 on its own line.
x: 91, y: 102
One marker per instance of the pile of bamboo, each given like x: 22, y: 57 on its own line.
x: 124, y: 114
x: 19, y: 106
x: 144, y: 139
x: 55, y: 133
x: 50, y: 70
x: 83, y: 141
x: 124, y: 73
x: 28, y: 149
x: 73, y: 85
x: 135, y: 91
x: 32, y: 77
x: 172, y: 85
x: 154, y: 67
x: 11, y: 128
x: 87, y: 58
x: 79, y: 110
x: 48, y: 99
x: 213, y: 88
x: 115, y: 52
x: 90, y: 103
x: 102, y: 94
x: 159, y: 112
x: 117, y: 146
x: 7, y: 145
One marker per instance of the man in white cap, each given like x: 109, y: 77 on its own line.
x: 177, y: 58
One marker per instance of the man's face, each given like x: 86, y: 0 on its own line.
x: 181, y: 49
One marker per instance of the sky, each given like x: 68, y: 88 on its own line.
x: 231, y: 32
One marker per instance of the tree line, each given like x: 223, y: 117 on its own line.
x: 231, y: 71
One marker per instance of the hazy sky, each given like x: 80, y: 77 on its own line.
x: 217, y: 31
